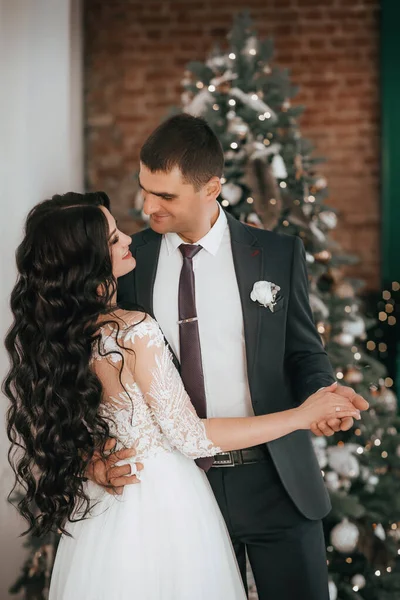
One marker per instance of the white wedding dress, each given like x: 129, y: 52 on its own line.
x: 165, y: 538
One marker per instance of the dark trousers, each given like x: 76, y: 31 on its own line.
x: 286, y: 551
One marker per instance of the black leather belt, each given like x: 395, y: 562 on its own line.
x: 234, y: 458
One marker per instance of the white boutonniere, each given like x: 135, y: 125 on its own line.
x: 265, y: 292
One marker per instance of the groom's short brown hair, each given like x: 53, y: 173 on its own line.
x: 188, y: 143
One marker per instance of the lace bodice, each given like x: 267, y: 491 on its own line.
x: 144, y: 397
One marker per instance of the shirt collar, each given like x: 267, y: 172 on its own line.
x: 210, y: 242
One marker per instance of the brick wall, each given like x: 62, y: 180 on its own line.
x: 136, y: 51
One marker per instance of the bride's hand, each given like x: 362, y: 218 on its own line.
x: 109, y: 475
x: 322, y: 406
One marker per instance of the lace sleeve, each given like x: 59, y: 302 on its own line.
x: 162, y: 388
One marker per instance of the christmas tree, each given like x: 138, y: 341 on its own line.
x: 272, y: 180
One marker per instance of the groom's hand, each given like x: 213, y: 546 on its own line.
x: 328, y: 428
x: 105, y: 473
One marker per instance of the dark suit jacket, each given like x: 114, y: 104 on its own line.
x: 286, y: 361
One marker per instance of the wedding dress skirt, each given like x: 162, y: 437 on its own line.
x: 163, y: 539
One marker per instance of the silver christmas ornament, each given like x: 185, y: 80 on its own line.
x: 332, y: 481
x: 388, y: 400
x: 358, y: 580
x: 344, y: 339
x: 355, y: 327
x: 332, y: 590
x: 328, y: 218
x: 343, y: 462
x: 232, y: 192
x: 344, y: 536
x: 380, y: 532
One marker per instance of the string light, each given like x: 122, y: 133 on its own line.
x: 285, y: 223
x: 386, y: 295
x: 382, y: 316
x: 266, y: 142
x: 355, y: 588
x: 395, y: 286
x: 250, y: 200
x: 261, y: 117
x: 360, y: 450
x: 225, y: 203
x: 392, y: 320
x: 232, y: 56
x: 282, y: 184
x: 382, y: 347
x: 223, y: 180
x: 371, y: 345
x: 377, y: 442
x: 349, y: 560
x: 215, y: 107
x: 393, y: 526
x: 347, y: 309
x: 311, y: 198
x: 234, y: 145
x: 272, y: 201
x: 357, y: 431
x: 357, y: 356
x: 199, y: 85
x: 254, y: 97
x: 384, y: 454
x: 377, y: 573
x: 389, y: 308
x: 267, y: 115
x: 253, y: 51
x: 211, y: 88
x: 389, y: 569
x: 232, y: 102
x: 388, y: 382
x: 339, y: 375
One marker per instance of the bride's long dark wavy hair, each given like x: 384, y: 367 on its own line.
x: 53, y: 422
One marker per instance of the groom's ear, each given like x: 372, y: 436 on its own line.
x: 213, y: 188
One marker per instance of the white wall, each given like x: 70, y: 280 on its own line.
x: 40, y: 154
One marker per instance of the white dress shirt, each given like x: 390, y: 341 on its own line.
x: 220, y: 317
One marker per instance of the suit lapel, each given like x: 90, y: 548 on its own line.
x: 147, y: 255
x: 248, y: 262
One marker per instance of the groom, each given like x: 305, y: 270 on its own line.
x: 240, y: 353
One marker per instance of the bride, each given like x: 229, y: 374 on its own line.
x: 83, y: 371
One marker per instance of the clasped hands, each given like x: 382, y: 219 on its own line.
x: 328, y: 428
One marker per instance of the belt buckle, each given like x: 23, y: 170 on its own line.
x: 229, y: 462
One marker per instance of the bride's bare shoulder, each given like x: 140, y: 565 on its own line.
x: 127, y: 318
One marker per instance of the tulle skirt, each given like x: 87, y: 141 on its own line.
x: 163, y: 539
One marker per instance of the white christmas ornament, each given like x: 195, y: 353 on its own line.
x: 380, y: 532
x: 332, y: 590
x: 344, y: 536
x: 343, y: 462
x: 355, y: 327
x: 388, y: 400
x: 344, y: 339
x: 332, y: 481
x: 232, y: 193
x: 319, y: 442
x: 328, y: 218
x: 358, y: 580
x: 278, y: 167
